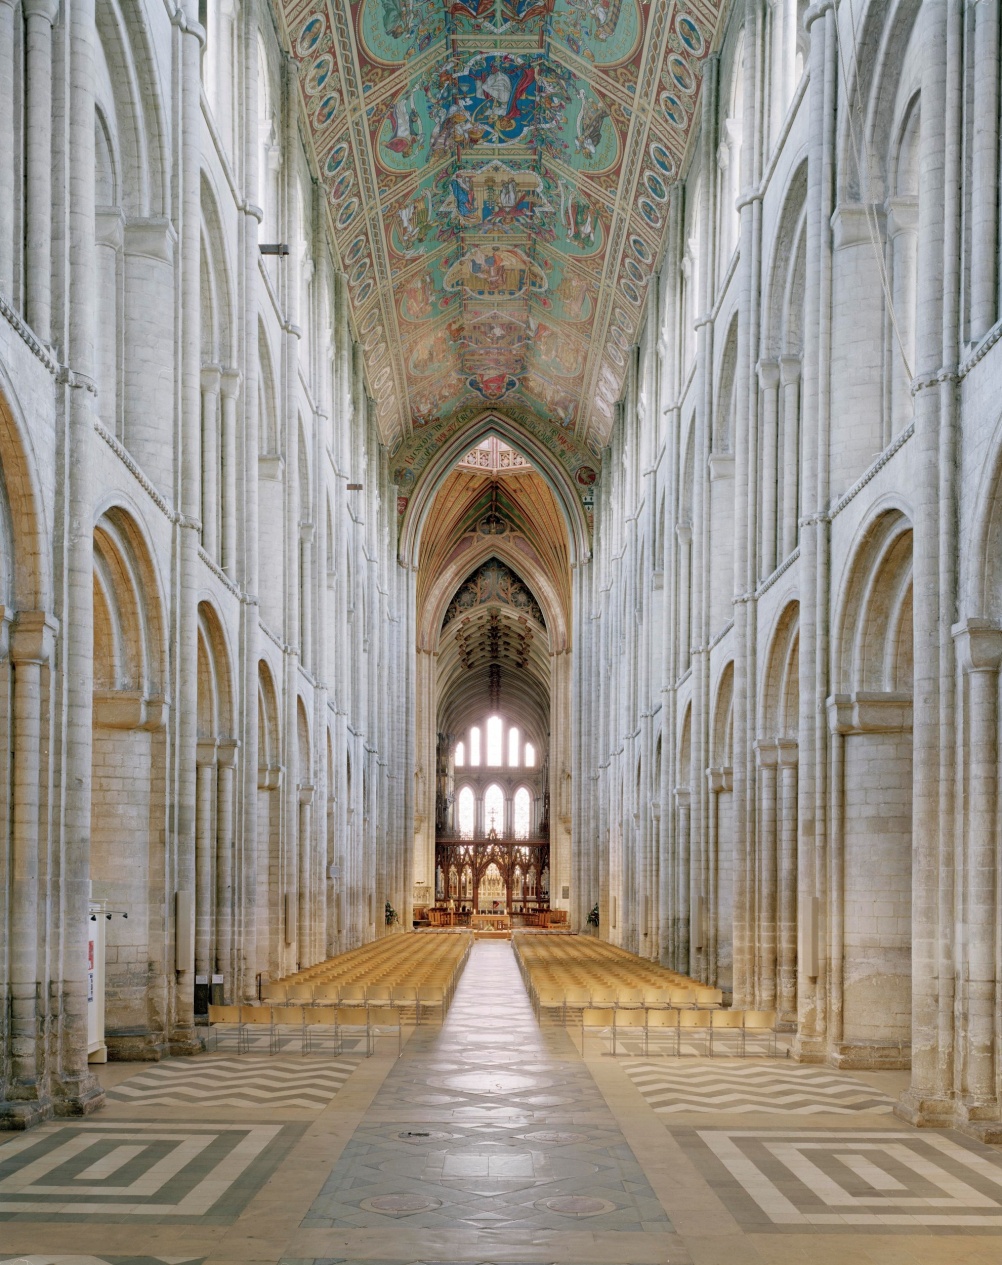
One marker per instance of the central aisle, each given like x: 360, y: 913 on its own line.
x: 491, y: 1133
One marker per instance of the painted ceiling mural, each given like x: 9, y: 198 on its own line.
x: 498, y: 176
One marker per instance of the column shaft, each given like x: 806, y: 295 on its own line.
x: 985, y: 175
x: 38, y: 17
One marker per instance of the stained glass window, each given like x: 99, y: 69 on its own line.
x: 513, y: 747
x: 460, y: 754
x: 523, y: 813
x: 475, y: 746
x: 495, y: 741
x: 494, y: 809
x: 530, y: 756
x: 466, y: 812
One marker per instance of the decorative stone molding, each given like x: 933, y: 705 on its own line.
x: 979, y: 645
x: 869, y: 712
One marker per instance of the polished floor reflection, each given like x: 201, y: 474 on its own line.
x: 492, y: 1140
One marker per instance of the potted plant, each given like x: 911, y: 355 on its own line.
x: 391, y: 914
x: 593, y: 916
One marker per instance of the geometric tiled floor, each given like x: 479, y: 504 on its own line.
x: 247, y: 1081
x: 494, y: 1141
x: 711, y: 1086
x: 874, y: 1179
x: 147, y: 1170
x: 478, y: 1132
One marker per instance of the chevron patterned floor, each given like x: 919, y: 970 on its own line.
x: 247, y: 1082
x: 777, y: 1089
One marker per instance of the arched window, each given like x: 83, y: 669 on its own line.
x: 522, y: 813
x: 530, y: 756
x: 494, y: 809
x: 495, y: 742
x: 460, y: 758
x: 513, y: 747
x: 475, y: 746
x: 466, y: 814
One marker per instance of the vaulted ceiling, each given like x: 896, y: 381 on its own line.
x: 497, y: 175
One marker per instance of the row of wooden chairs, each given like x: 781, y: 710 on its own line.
x: 549, y: 998
x: 630, y: 1027
x: 413, y: 972
x: 315, y: 1029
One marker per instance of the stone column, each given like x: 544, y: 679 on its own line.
x: 188, y: 44
x: 205, y: 821
x: 979, y: 645
x: 716, y: 781
x: 75, y: 1086
x: 246, y: 485
x: 305, y: 856
x: 39, y: 16
x: 230, y: 387
x: 902, y: 231
x: 789, y: 377
x: 684, y: 630
x: 680, y: 940
x: 226, y: 753
x: 306, y: 532
x: 768, y: 376
x: 211, y: 377
x: 985, y: 175
x: 765, y: 938
x: 786, y: 999
x: 814, y: 537
x: 8, y: 184
x: 31, y: 646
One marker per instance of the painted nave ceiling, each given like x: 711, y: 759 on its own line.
x: 497, y: 176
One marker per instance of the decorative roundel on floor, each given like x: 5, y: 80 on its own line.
x: 555, y: 1137
x: 400, y: 1205
x: 576, y: 1206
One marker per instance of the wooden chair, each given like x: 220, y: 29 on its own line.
x: 709, y: 998
x: 602, y: 1018
x: 321, y: 1031
x: 225, y: 1024
x: 626, y: 1021
x: 661, y: 1020
x: 761, y: 1023
x: 727, y: 1021
x: 693, y: 1022
x: 288, y: 1023
x: 256, y: 1021
x: 355, y: 1020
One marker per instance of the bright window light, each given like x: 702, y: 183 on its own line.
x: 522, y: 812
x: 495, y: 741
x: 466, y: 812
x: 494, y: 809
x: 475, y: 746
x: 530, y: 756
x: 513, y: 747
x: 460, y: 754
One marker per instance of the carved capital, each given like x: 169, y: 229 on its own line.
x: 33, y: 637
x: 979, y: 645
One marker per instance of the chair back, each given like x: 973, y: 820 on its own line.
x: 273, y: 992
x: 760, y: 1020
x: 224, y: 1014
